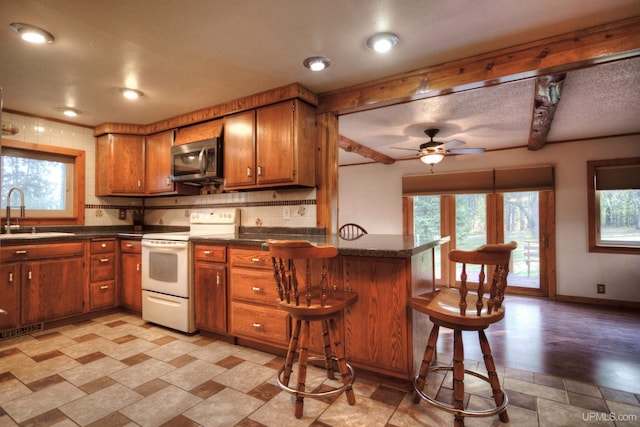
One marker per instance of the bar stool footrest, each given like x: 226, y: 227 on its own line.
x: 317, y: 393
x: 462, y: 412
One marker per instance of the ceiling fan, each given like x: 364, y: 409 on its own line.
x: 433, y: 152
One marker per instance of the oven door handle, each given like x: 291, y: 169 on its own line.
x: 162, y: 245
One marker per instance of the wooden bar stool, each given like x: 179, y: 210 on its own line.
x: 313, y: 303
x: 447, y: 308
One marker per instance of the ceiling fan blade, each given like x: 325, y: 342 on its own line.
x: 466, y: 151
x: 451, y: 144
x: 408, y: 149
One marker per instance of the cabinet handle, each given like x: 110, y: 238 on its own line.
x: 21, y: 252
x: 139, y: 183
x: 103, y: 287
x: 256, y: 289
x: 207, y: 253
x: 218, y: 279
x: 255, y: 259
x: 2, y: 311
x: 259, y: 170
x: 138, y: 267
x: 104, y: 245
x: 257, y: 325
x: 168, y: 181
x: 103, y: 260
x: 129, y: 245
x: 11, y: 277
x: 29, y: 275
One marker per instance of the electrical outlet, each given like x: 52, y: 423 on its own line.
x: 286, y: 212
x: 600, y: 287
x: 122, y: 214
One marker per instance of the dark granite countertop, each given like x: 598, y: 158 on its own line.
x: 375, y: 245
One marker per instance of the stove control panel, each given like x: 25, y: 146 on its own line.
x: 216, y: 216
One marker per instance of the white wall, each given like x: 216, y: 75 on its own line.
x: 371, y: 195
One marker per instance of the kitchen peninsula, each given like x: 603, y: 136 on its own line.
x: 235, y: 293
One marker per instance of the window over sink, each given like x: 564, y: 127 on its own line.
x: 52, y: 179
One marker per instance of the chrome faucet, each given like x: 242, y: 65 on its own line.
x: 8, y: 227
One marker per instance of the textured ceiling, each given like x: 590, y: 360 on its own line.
x: 194, y: 54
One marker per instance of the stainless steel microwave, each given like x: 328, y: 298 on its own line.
x: 197, y: 162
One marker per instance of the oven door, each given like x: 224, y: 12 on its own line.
x: 166, y: 267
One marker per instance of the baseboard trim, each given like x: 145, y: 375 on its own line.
x: 598, y: 301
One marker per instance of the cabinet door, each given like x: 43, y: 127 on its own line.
x: 275, y: 144
x: 239, y: 150
x: 131, y: 281
x: 10, y: 296
x: 120, y: 165
x: 211, y: 296
x: 52, y: 289
x: 376, y: 326
x: 158, y: 163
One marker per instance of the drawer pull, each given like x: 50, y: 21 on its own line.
x: 257, y: 325
x: 129, y: 245
x: 207, y: 253
x: 29, y: 275
x: 103, y: 287
x: 103, y: 260
x: 23, y: 252
x: 104, y: 245
x: 248, y: 172
x: 138, y: 267
x: 218, y: 279
x: 11, y: 277
x: 256, y: 289
x: 2, y: 311
x: 255, y: 259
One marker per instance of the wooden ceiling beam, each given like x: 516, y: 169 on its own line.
x: 354, y: 147
x: 546, y: 99
x: 558, y: 54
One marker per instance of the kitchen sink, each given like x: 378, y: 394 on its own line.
x: 29, y: 236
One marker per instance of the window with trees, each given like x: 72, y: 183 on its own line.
x: 614, y: 205
x: 51, y: 178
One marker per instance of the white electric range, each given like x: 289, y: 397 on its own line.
x: 167, y: 268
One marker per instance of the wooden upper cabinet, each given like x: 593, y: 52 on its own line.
x: 273, y: 146
x: 120, y: 165
x: 158, y: 163
x: 239, y: 150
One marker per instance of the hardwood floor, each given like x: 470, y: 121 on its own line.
x: 598, y: 345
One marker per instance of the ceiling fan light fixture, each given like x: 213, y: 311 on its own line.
x: 432, y: 158
x: 131, y: 93
x: 316, y: 63
x: 31, y: 33
x: 383, y: 42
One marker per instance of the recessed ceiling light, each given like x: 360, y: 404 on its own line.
x: 316, y: 63
x: 383, y: 42
x: 31, y: 34
x: 131, y: 93
x: 70, y: 112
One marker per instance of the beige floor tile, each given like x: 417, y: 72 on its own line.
x: 364, y: 412
x: 225, y: 408
x: 92, y: 371
x: 95, y: 406
x: 172, y: 350
x: 556, y: 414
x: 34, y: 404
x: 141, y: 373
x: 160, y: 407
x: 33, y: 372
x: 537, y: 390
x: 245, y: 376
x: 87, y: 347
x: 422, y: 414
x: 216, y: 351
x: 279, y: 411
x: 12, y: 389
x: 624, y: 415
x: 6, y: 421
x: 193, y: 374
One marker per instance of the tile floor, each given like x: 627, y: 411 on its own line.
x: 118, y: 370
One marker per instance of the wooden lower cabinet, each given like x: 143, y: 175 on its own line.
x: 254, y: 313
x: 10, y: 295
x: 377, y: 327
x: 210, y: 287
x: 131, y: 275
x: 102, y: 273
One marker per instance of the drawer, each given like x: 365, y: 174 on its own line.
x: 210, y: 253
x: 51, y: 250
x: 102, y: 294
x: 131, y: 246
x: 262, y: 323
x: 103, y: 267
x: 256, y: 286
x: 252, y: 258
x: 103, y: 246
